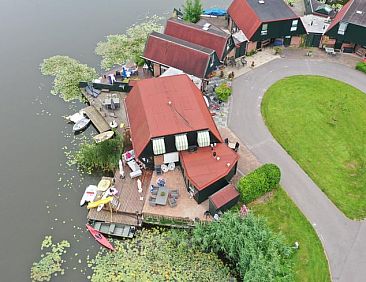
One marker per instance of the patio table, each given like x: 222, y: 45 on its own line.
x: 161, y: 199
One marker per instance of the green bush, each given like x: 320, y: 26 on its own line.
x: 102, y: 156
x: 223, y: 92
x: 260, y: 181
x: 361, y: 66
x: 255, y: 252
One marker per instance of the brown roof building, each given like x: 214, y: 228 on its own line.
x: 217, y: 40
x: 168, y: 117
x: 165, y: 51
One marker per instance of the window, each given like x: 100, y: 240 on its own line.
x: 294, y: 25
x: 342, y: 28
x: 212, y: 61
x: 264, y: 30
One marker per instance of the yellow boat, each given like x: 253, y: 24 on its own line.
x: 100, y: 202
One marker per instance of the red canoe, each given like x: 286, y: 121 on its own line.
x: 100, y: 238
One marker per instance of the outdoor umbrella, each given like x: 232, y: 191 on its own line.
x: 139, y: 185
x: 121, y: 171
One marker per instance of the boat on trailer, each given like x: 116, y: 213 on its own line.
x: 99, y: 237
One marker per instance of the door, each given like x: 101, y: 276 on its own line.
x: 239, y: 52
x: 316, y: 40
x: 287, y: 41
x: 338, y: 45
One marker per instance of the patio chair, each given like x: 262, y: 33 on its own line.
x: 158, y: 170
x: 152, y: 201
x: 172, y: 202
x: 174, y: 193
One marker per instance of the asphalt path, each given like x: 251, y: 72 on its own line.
x: 344, y: 240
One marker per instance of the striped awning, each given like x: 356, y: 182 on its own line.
x: 181, y: 142
x: 203, y: 138
x: 158, y: 146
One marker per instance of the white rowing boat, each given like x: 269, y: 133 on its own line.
x: 81, y: 124
x: 103, y: 136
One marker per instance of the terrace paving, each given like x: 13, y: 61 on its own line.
x: 186, y: 208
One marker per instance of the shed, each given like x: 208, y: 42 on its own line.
x: 223, y: 199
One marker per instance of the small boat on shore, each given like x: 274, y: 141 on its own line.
x: 75, y: 117
x: 103, y: 136
x: 100, y: 238
x: 81, y: 124
x: 89, y: 194
x: 114, y: 229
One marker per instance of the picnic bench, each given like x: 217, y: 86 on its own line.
x: 329, y: 51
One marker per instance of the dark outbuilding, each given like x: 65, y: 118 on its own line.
x: 349, y: 26
x: 224, y: 199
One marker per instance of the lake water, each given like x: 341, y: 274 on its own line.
x: 39, y: 193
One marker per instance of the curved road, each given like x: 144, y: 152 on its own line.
x: 344, y: 240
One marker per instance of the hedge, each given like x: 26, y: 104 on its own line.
x: 260, y: 181
x: 361, y: 66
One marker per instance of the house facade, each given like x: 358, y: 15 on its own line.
x: 347, y: 32
x: 169, y: 120
x: 263, y: 22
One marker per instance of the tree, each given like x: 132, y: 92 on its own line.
x: 120, y: 48
x: 192, y: 11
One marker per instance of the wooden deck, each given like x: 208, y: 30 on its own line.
x: 105, y: 216
x: 97, y: 119
x: 131, y: 201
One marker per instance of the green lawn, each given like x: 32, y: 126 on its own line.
x: 310, y: 263
x: 321, y: 123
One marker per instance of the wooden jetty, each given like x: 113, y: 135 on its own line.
x: 97, y: 119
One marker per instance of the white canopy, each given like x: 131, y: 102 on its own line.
x: 203, y: 138
x: 181, y: 142
x: 171, y: 157
x: 158, y: 146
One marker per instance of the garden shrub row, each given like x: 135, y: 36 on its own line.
x: 260, y: 181
x: 361, y: 66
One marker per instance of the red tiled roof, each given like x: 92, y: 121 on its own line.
x: 202, y: 169
x: 195, y: 34
x: 224, y: 196
x: 174, y: 52
x: 244, y: 17
x: 150, y: 114
x: 340, y: 15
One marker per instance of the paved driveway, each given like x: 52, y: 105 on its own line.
x: 344, y: 240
